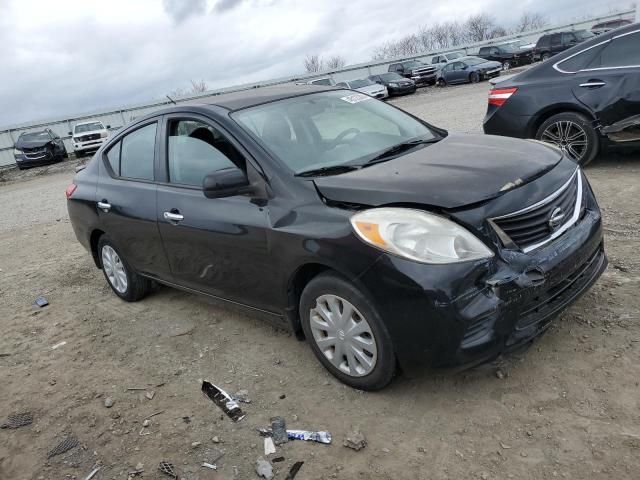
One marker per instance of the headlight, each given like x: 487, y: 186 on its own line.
x: 418, y: 236
x: 393, y: 84
x: 104, y: 134
x: 17, y: 152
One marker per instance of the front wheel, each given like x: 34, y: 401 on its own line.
x: 573, y: 134
x: 122, y: 279
x: 506, y: 65
x: 441, y: 82
x: 474, y: 77
x: 545, y: 57
x: 346, y: 333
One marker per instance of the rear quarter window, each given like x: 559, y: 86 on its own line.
x: 138, y: 152
x: 620, y: 52
x: 544, y: 42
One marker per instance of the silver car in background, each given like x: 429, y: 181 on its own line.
x: 367, y: 86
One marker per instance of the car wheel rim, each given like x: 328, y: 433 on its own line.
x: 506, y: 66
x: 343, y: 336
x: 569, y: 136
x: 114, y: 269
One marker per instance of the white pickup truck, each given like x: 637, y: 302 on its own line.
x: 88, y: 137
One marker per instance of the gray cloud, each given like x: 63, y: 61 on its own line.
x: 180, y: 10
x: 224, y: 5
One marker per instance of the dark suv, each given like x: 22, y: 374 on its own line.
x: 583, y: 98
x: 38, y: 148
x: 417, y: 71
x: 554, y: 43
x: 508, y: 55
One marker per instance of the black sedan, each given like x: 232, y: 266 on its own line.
x: 468, y: 70
x: 585, y: 97
x: 38, y: 148
x: 396, y: 84
x: 508, y: 55
x: 378, y: 237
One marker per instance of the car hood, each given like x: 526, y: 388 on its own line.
x: 488, y: 65
x: 20, y: 144
x: 370, y: 88
x: 457, y: 171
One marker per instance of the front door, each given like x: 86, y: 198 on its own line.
x: 217, y: 246
x: 610, y: 87
x: 126, y: 200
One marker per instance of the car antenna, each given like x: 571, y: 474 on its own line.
x: 171, y: 99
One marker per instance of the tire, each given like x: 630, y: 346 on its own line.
x: 545, y: 57
x: 65, y: 154
x: 442, y: 82
x: 372, y: 342
x: 78, y: 154
x: 474, y: 77
x: 134, y: 287
x: 573, y: 133
x: 506, y: 65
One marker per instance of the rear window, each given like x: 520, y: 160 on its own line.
x: 483, y: 51
x: 620, y: 52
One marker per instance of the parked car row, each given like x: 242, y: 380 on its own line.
x: 45, y: 146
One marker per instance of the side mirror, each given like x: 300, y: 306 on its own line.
x: 108, y: 127
x: 71, y: 134
x: 225, y: 183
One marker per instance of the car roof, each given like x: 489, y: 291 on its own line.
x: 258, y: 96
x: 87, y: 123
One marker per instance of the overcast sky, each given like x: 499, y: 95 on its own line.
x: 71, y: 56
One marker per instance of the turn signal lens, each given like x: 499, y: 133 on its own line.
x: 498, y: 96
x: 70, y: 189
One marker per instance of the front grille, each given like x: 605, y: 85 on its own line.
x: 534, y: 226
x: 424, y: 71
x: 550, y: 301
x: 86, y: 138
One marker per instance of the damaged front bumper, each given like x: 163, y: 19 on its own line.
x: 468, y: 313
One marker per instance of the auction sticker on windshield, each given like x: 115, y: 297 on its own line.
x: 356, y: 97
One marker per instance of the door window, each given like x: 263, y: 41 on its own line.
x: 568, y: 38
x: 544, y: 42
x: 137, y: 153
x: 196, y: 149
x: 555, y: 40
x: 457, y: 66
x: 620, y: 52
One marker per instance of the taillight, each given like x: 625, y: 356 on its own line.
x: 70, y: 189
x: 498, y: 96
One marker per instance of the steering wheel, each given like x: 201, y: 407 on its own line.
x: 340, y: 138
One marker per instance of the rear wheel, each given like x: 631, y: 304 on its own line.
x: 506, y: 65
x: 573, y: 133
x: 474, y: 77
x: 545, y: 57
x: 346, y: 333
x: 122, y: 279
x: 441, y: 82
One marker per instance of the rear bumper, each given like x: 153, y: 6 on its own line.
x: 499, y: 121
x: 465, y: 314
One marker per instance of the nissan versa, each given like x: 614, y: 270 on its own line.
x: 383, y: 240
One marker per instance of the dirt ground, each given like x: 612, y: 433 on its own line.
x: 569, y: 407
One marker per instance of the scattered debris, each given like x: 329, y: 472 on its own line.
x: 58, y: 345
x: 168, y: 469
x: 264, y: 468
x: 17, y: 420
x: 135, y: 388
x: 283, y: 396
x: 484, y: 476
x: 278, y: 459
x: 320, y: 437
x: 279, y: 430
x: 150, y: 394
x: 5, y: 354
x: 355, y: 440
x: 269, y: 447
x: 41, y: 301
x: 143, y: 432
x: 146, y: 423
x: 139, y: 467
x: 195, y: 444
x: 215, y: 439
x: 92, y: 474
x: 210, y: 465
x: 242, y: 396
x: 223, y: 400
x: 500, y: 374
x: 108, y: 402
x: 186, y: 419
x: 294, y: 470
x: 153, y: 415
x: 64, y: 446
x: 505, y: 446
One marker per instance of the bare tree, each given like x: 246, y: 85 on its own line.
x: 313, y: 63
x: 198, y: 86
x: 530, y: 21
x: 479, y: 27
x: 337, y: 61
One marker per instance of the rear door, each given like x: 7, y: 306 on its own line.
x: 610, y: 86
x: 126, y: 199
x: 556, y: 43
x: 217, y: 246
x: 458, y: 73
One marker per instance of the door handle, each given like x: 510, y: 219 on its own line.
x: 104, y: 206
x: 173, y: 217
x: 593, y: 84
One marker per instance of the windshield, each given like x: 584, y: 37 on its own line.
x: 329, y: 129
x: 473, y: 61
x: 414, y: 63
x: 322, y: 81
x: 88, y: 127
x: 391, y: 77
x: 508, y: 48
x: 365, y: 82
x: 29, y: 137
x: 583, y: 34
x: 453, y: 56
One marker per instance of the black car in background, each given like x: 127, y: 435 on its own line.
x: 585, y: 97
x: 553, y: 43
x: 604, y: 27
x: 468, y: 70
x: 378, y: 237
x: 508, y: 55
x: 39, y: 148
x: 415, y: 70
x: 396, y: 84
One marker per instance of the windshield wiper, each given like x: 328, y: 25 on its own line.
x: 401, y: 147
x: 333, y: 170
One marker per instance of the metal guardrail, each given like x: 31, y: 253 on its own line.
x: 118, y: 117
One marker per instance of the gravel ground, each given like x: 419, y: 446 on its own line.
x: 567, y: 408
